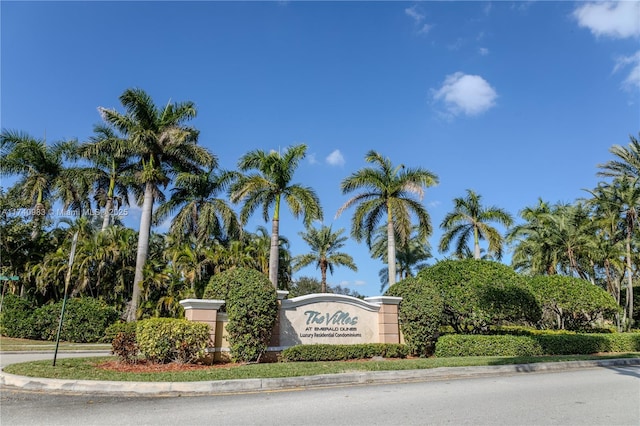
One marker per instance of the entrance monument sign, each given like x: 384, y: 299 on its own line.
x: 312, y: 319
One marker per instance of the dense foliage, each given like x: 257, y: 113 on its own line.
x: 571, y: 303
x: 536, y: 344
x: 60, y: 188
x: 16, y: 317
x: 420, y: 314
x: 479, y: 293
x: 171, y: 340
x: 85, y: 319
x: 251, y: 304
x: 326, y: 352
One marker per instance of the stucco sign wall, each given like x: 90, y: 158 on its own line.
x: 329, y: 318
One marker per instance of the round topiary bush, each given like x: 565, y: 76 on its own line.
x: 420, y: 314
x: 571, y: 303
x: 251, y: 303
x: 478, y: 294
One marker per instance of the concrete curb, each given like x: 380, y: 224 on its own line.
x: 292, y: 383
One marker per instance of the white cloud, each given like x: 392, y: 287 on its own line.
x: 633, y: 79
x: 335, y: 158
x: 425, y: 29
x: 466, y: 94
x: 312, y: 159
x: 486, y: 10
x: 483, y: 51
x: 414, y: 13
x: 620, y: 19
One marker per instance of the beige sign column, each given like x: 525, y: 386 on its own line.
x: 388, y: 325
x: 205, y: 311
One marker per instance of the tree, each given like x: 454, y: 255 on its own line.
x: 624, y: 195
x: 533, y: 252
x: 111, y: 156
x: 200, y: 212
x: 388, y: 193
x: 268, y: 187
x: 164, y: 145
x: 410, y: 256
x: 40, y: 168
x: 627, y: 162
x: 324, y: 244
x: 470, y: 218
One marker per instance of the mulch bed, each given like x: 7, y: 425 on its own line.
x: 150, y: 367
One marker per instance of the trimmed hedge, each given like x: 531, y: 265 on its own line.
x: 536, y: 344
x: 571, y: 303
x: 478, y: 294
x: 166, y: 340
x: 326, y: 352
x: 251, y: 303
x: 420, y: 314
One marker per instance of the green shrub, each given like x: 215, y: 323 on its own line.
x: 477, y: 345
x: 419, y: 314
x: 536, y: 344
x: 166, y: 340
x: 16, y: 318
x: 478, y: 294
x: 85, y: 320
x: 125, y: 346
x: 118, y: 327
x: 571, y: 303
x: 326, y: 352
x: 252, y: 305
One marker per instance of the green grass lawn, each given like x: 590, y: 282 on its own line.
x: 8, y: 344
x: 86, y: 368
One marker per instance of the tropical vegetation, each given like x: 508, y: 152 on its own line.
x: 149, y: 155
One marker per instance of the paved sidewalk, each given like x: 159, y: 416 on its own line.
x: 325, y: 380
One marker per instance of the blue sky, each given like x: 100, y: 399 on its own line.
x: 515, y: 100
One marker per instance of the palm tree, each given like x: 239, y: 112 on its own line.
x: 324, y: 244
x: 201, y: 213
x: 388, y: 193
x: 624, y: 195
x: 410, y: 256
x: 112, y: 157
x: 40, y: 168
x: 533, y: 252
x: 164, y: 145
x: 469, y: 218
x: 268, y: 187
x: 627, y: 162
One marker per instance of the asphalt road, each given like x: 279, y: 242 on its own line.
x: 594, y: 396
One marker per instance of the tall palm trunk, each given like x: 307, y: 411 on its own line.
x: 109, y: 205
x: 391, y: 249
x: 323, y: 273
x: 107, y: 213
x: 274, y: 252
x: 629, y: 307
x: 143, y: 250
x: 476, y: 244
